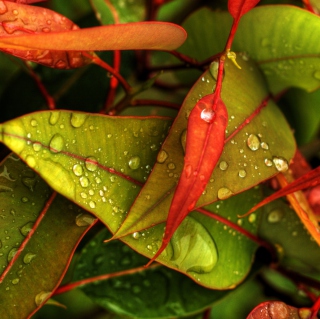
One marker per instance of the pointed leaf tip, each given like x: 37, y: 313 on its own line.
x: 238, y: 8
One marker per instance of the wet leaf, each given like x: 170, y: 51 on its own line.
x: 97, y: 161
x: 153, y: 292
x: 248, y: 157
x: 125, y: 11
x: 284, y: 42
x: 40, y: 263
x: 18, y: 19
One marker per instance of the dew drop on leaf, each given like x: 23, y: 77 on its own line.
x: 253, y: 142
x: 252, y: 218
x: 54, y: 118
x: 268, y: 162
x: 12, y: 253
x: 162, y: 156
x: 207, y: 115
x: 25, y: 229
x: 316, y: 75
x: 171, y: 166
x: 224, y: 193
x: 77, y: 169
x: 242, y: 173
x: 214, y: 67
x: 223, y: 165
x: 84, y: 181
x: 31, y: 161
x: 56, y: 143
x: 33, y: 123
x: 28, y: 258
x: 15, y: 281
x: 136, y: 235
x: 264, y: 145
x: 84, y: 219
x: 134, y: 162
x: 78, y: 119
x: 37, y: 146
x: 91, y: 163
x: 92, y: 204
x: 275, y: 216
x: 281, y: 164
x: 41, y: 297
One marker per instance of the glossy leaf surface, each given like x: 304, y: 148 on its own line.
x: 42, y: 261
x: 247, y: 159
x: 284, y: 42
x: 18, y: 19
x: 155, y: 292
x: 102, y: 178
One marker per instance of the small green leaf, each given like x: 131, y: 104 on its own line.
x: 42, y: 261
x: 155, y: 292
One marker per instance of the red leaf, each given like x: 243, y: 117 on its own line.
x: 238, y: 8
x: 309, y: 179
x: 26, y: 1
x: 205, y: 140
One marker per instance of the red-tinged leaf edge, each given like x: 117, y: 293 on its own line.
x: 130, y: 36
x: 205, y: 141
x: 26, y: 1
x: 278, y: 309
x: 237, y: 8
x: 309, y: 179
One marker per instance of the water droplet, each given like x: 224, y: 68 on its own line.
x: 15, y: 12
x: 37, y: 146
x: 42, y: 297
x: 77, y: 169
x: 224, y: 193
x: 54, y: 118
x: 242, y: 173
x: 91, y: 163
x: 162, y: 156
x: 92, y: 204
x: 268, y: 162
x: 15, y: 281
x: 24, y: 199
x: 84, y: 181
x: 275, y: 216
x: 280, y: 163
x: 25, y: 229
x: 46, y: 29
x: 28, y: 258
x: 134, y: 162
x: 3, y: 7
x: 33, y: 122
x: 136, y: 235
x: 171, y: 166
x: 316, y: 75
x: 84, y: 219
x: 253, y: 142
x: 252, y: 218
x: 207, y: 115
x: 29, y: 182
x: 78, y: 119
x: 12, y: 253
x: 56, y: 143
x: 214, y: 67
x: 223, y: 165
x: 264, y: 145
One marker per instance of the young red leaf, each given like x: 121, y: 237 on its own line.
x: 309, y: 179
x: 238, y: 8
x: 205, y: 140
x: 18, y: 19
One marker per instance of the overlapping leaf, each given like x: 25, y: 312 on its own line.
x: 153, y: 292
x: 284, y: 42
x: 248, y: 158
x: 43, y: 260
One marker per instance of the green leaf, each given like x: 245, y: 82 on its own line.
x: 110, y: 12
x: 96, y: 161
x: 297, y: 249
x: 306, y: 123
x: 154, y: 292
x: 247, y: 159
x: 284, y: 42
x: 40, y: 263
